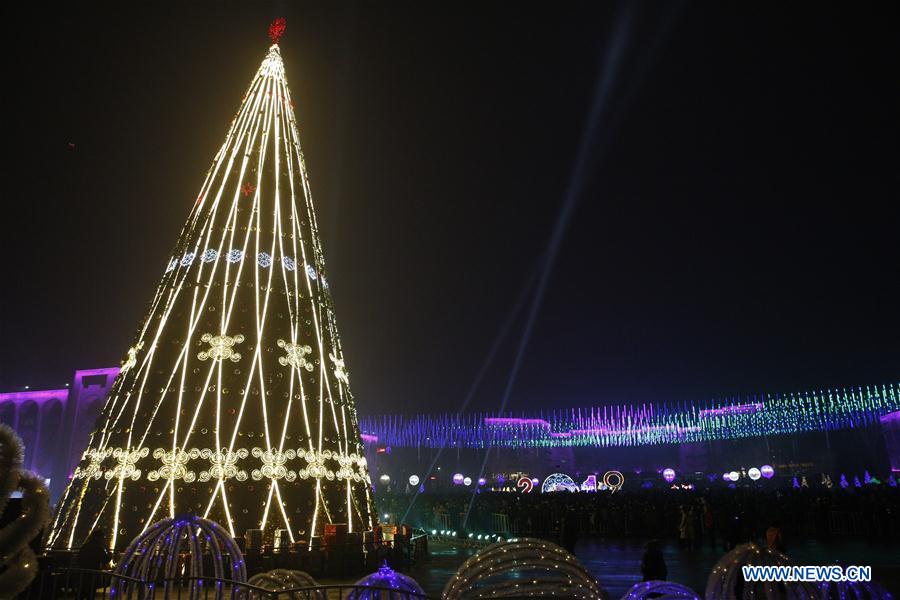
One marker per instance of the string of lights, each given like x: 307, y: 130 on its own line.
x: 639, y: 425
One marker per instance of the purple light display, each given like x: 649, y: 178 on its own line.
x: 644, y: 424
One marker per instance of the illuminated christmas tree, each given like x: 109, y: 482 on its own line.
x: 233, y: 403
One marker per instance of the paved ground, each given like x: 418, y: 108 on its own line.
x: 616, y: 563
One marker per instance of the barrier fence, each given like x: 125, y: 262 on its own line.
x: 87, y: 584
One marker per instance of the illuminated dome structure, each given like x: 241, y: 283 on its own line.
x: 726, y: 580
x: 233, y: 401
x: 558, y: 482
x: 281, y: 580
x: 386, y: 584
x: 854, y: 590
x: 522, y: 567
x: 154, y: 557
x: 660, y: 590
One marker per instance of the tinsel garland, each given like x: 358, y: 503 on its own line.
x: 18, y: 564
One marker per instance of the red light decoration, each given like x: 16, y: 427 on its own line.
x: 247, y: 189
x: 276, y: 29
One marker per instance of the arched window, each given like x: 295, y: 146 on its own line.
x: 29, y: 421
x: 52, y: 444
x: 8, y: 413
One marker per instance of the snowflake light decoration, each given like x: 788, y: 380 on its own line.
x: 273, y: 464
x: 224, y: 464
x: 235, y: 255
x: 340, y: 371
x: 132, y: 357
x: 315, y: 467
x: 172, y: 265
x: 126, y: 461
x: 174, y: 465
x: 220, y: 347
x: 288, y: 263
x: 210, y: 255
x: 296, y: 355
x: 188, y: 258
x: 264, y: 259
x: 94, y: 468
x: 311, y: 272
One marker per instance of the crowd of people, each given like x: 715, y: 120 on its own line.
x: 718, y: 516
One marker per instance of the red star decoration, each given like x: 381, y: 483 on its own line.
x: 276, y: 29
x: 248, y: 188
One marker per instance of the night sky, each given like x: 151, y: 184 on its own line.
x: 734, y: 228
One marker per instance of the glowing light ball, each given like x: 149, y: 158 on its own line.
x: 413, y: 480
x: 661, y: 590
x: 520, y: 568
x: 467, y: 481
x: 767, y: 471
x: 399, y: 586
x: 385, y: 479
x: 754, y: 473
x: 726, y: 476
x: 482, y: 481
x: 734, y: 476
x: 458, y: 479
x: 669, y: 475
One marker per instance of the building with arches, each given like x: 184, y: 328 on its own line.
x: 55, y: 424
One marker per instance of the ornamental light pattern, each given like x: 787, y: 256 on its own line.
x: 234, y: 402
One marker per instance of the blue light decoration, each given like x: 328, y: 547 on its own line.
x: 843, y: 483
x: 856, y: 482
x: 589, y: 484
x: 767, y: 471
x: 458, y: 479
x: 644, y: 424
x: 795, y: 484
x: 660, y: 590
x: 892, y: 481
x: 854, y: 590
x: 153, y: 555
x: 385, y: 583
x: 558, y: 482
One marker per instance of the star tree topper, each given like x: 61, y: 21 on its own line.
x: 276, y: 29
